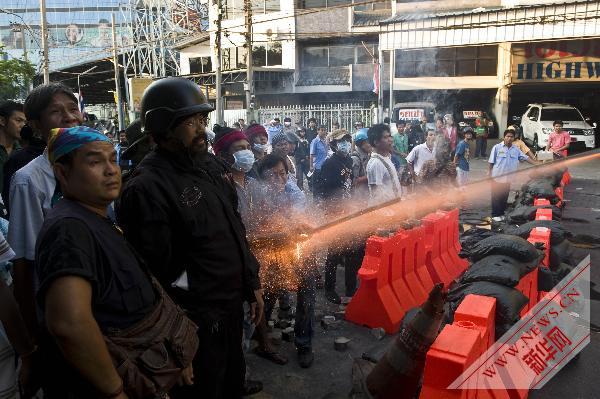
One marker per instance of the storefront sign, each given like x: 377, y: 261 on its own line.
x: 472, y: 114
x: 136, y: 89
x: 410, y: 114
x: 561, y: 61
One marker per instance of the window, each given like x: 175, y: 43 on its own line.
x: 200, y: 65
x: 315, y: 56
x: 234, y: 9
x: 265, y: 6
x: 450, y: 61
x: 233, y: 58
x: 267, y: 55
x: 533, y: 113
x: 341, y: 56
x: 363, y: 56
x: 561, y: 114
x: 334, y: 56
x: 322, y: 3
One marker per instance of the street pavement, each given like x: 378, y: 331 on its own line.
x: 330, y: 375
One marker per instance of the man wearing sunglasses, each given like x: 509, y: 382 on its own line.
x: 179, y: 211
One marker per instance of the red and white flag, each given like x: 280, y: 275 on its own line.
x: 376, y: 78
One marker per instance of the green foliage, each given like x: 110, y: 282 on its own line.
x: 15, y: 76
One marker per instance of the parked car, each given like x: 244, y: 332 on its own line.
x: 536, y: 125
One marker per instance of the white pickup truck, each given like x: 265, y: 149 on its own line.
x: 537, y: 124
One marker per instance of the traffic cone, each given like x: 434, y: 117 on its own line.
x: 398, y: 373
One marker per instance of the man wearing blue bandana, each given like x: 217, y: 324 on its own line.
x: 91, y: 283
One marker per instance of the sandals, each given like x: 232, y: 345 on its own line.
x: 273, y: 356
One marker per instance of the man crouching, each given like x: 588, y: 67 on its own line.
x: 113, y: 333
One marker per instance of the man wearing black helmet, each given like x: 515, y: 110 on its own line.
x: 179, y: 210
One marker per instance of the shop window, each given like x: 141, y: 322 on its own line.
x: 200, y: 65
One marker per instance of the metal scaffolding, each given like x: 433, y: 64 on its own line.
x: 156, y: 26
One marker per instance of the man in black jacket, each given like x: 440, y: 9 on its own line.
x: 333, y: 186
x: 179, y: 210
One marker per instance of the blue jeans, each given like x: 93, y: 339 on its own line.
x: 305, y: 308
x: 480, y: 147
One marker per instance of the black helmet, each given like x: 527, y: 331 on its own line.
x: 169, y: 99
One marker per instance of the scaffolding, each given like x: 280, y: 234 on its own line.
x: 156, y: 26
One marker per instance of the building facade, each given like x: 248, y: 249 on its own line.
x: 311, y: 51
x: 498, y: 57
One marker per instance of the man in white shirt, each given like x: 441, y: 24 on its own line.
x: 32, y: 188
x: 421, y: 153
x: 382, y: 177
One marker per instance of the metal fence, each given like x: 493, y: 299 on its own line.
x: 345, y: 114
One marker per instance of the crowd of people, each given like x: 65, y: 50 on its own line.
x: 143, y: 268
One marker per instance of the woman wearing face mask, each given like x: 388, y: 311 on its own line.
x: 259, y: 141
x: 233, y: 148
x: 334, y: 187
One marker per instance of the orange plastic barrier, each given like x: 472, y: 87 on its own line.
x: 404, y: 277
x: 528, y: 286
x: 541, y: 201
x: 543, y: 214
x: 479, y: 310
x: 541, y: 235
x: 444, y: 265
x: 398, y: 272
x: 454, y: 349
x: 566, y: 179
x: 559, y: 193
x: 374, y: 304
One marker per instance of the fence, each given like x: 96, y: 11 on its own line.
x: 345, y: 114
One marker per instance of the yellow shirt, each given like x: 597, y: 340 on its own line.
x: 521, y: 146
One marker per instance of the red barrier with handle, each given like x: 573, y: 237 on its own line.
x: 374, y: 304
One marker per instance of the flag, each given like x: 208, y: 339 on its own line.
x: 81, y: 103
x: 376, y: 79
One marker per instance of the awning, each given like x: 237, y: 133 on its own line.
x: 487, y: 26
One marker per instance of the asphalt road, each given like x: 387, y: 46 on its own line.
x: 330, y: 374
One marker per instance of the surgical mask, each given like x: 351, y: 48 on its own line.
x: 344, y: 147
x: 261, y: 147
x: 287, y: 123
x: 244, y: 159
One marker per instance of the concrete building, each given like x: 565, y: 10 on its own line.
x: 312, y: 51
x: 496, y: 55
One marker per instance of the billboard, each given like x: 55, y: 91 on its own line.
x: 559, y: 61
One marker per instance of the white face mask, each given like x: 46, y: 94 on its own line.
x: 261, y: 147
x: 287, y: 123
x: 244, y: 159
x: 344, y: 147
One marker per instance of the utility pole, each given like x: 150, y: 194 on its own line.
x: 249, y: 67
x: 45, y: 64
x: 218, y: 95
x: 380, y: 94
x: 117, y: 85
